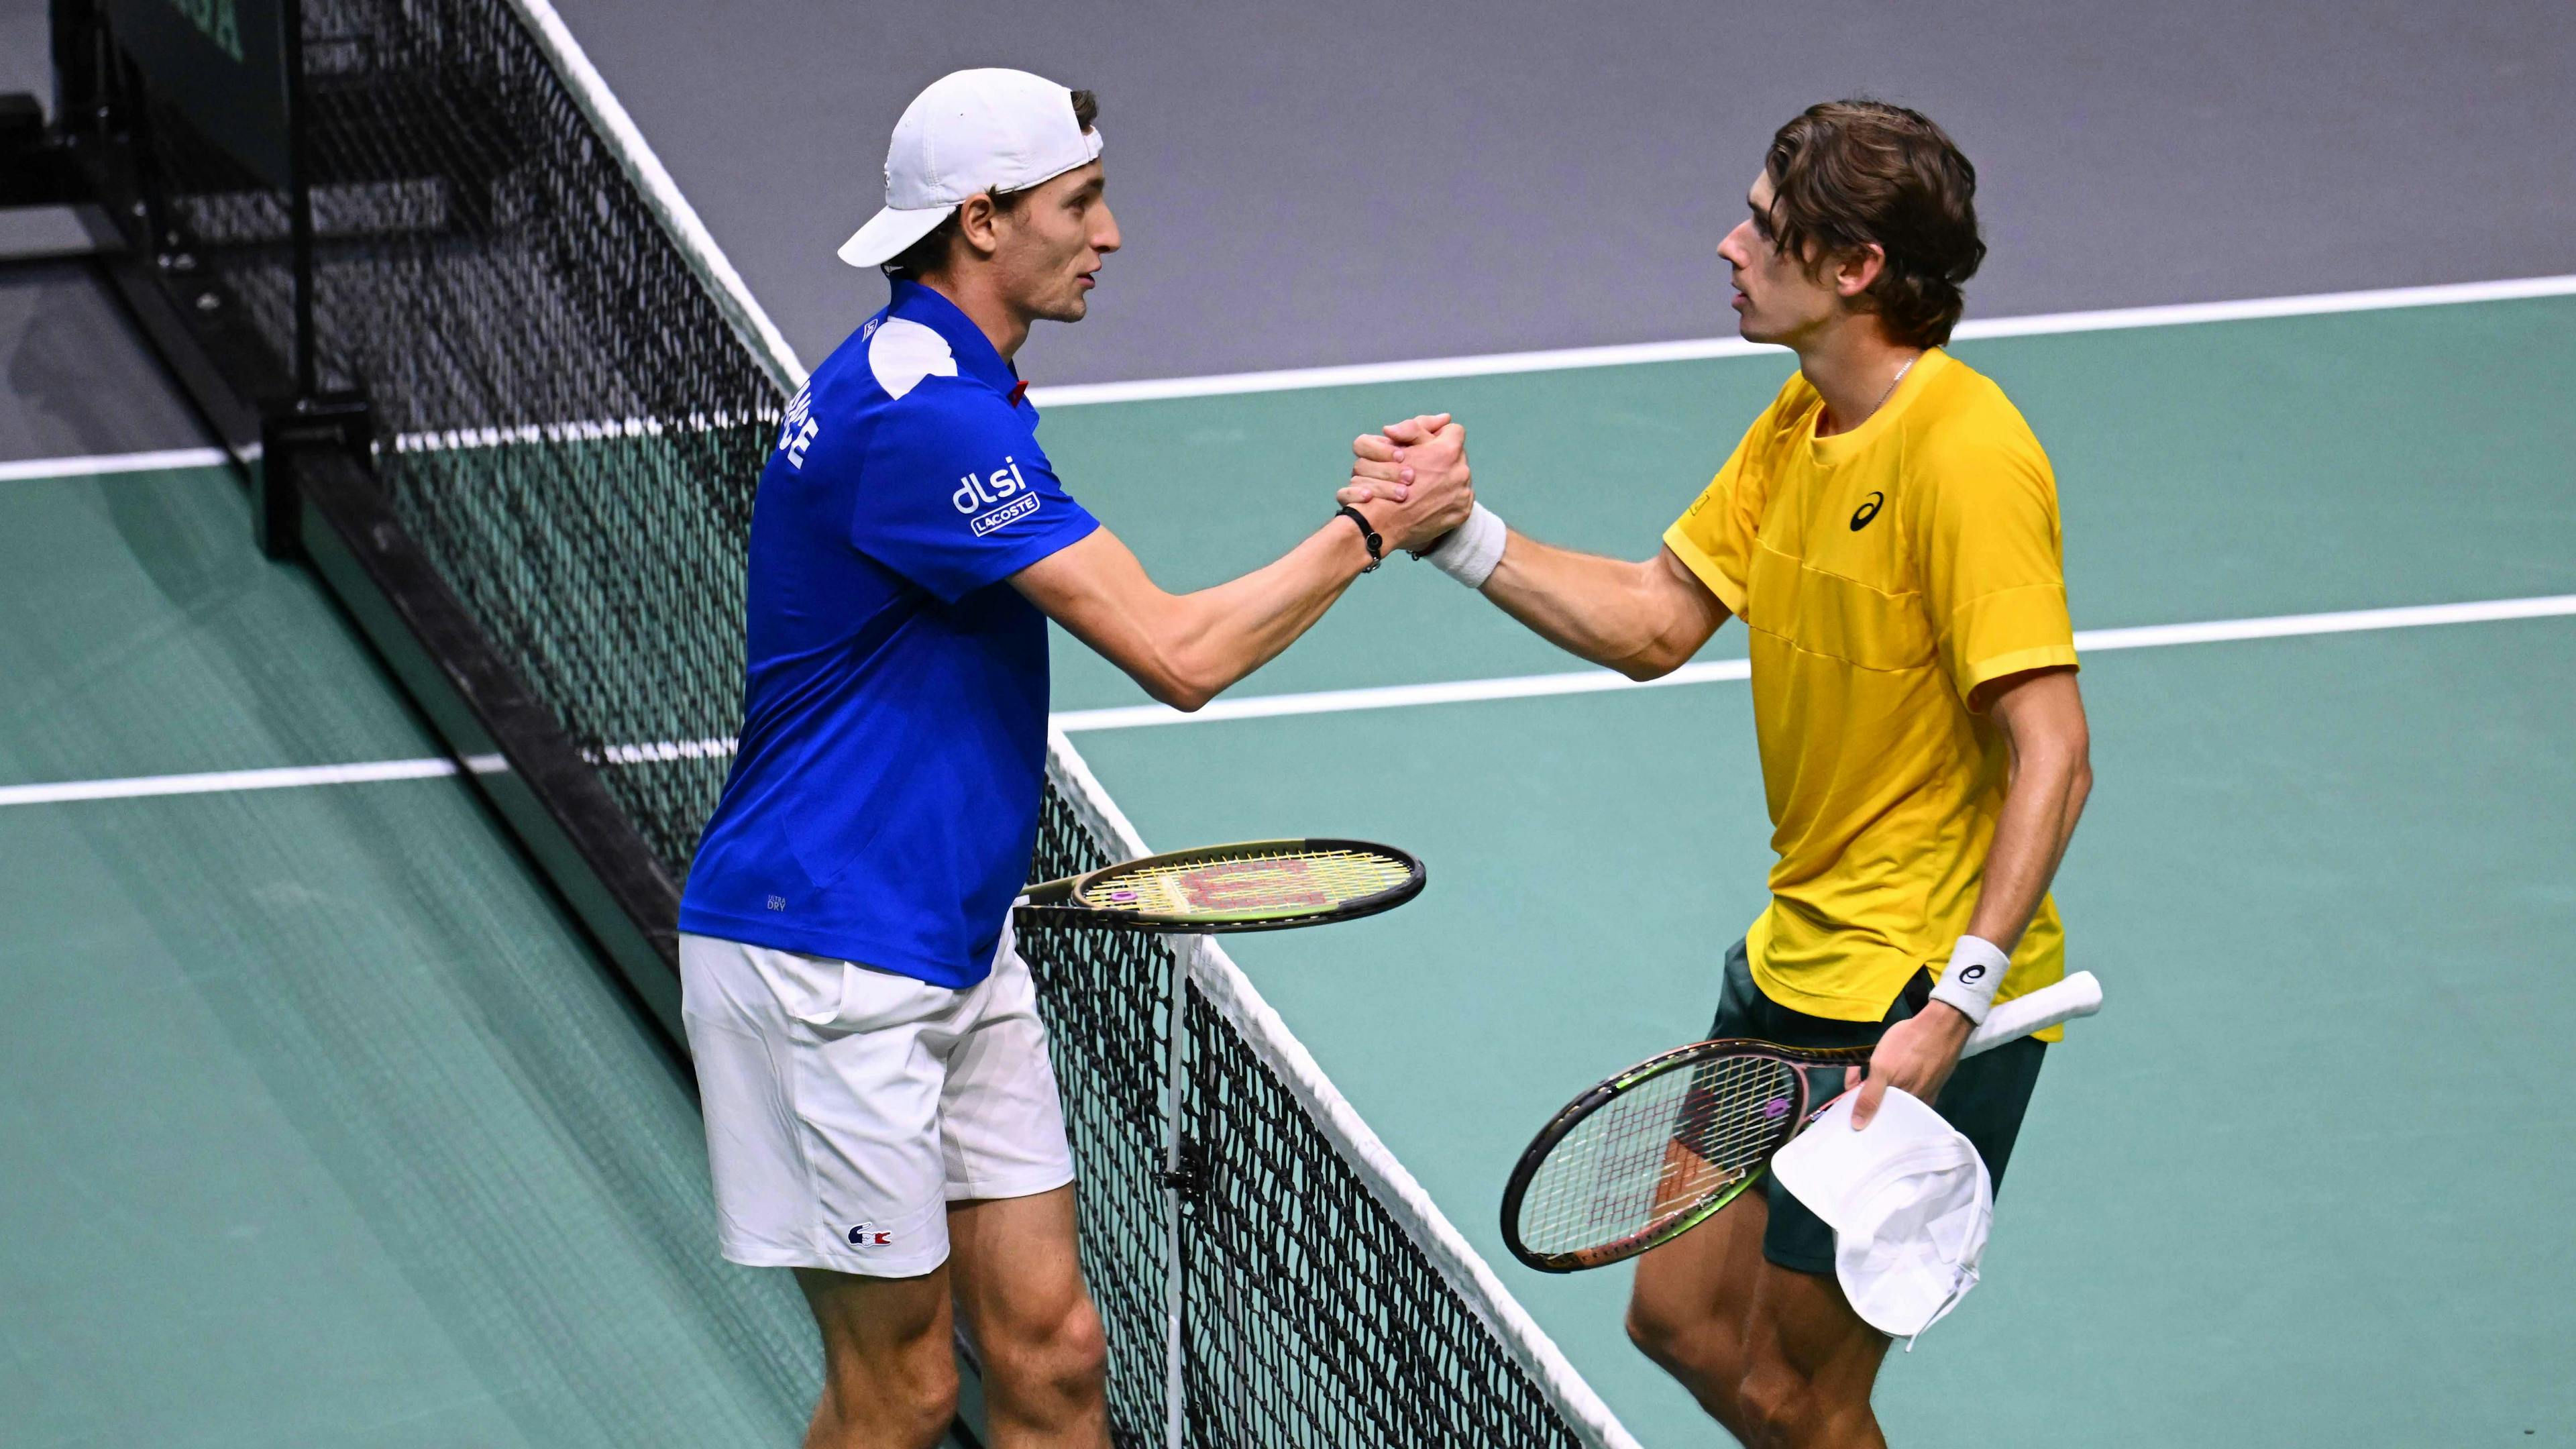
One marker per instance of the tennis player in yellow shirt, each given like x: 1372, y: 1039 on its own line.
x: 1888, y: 532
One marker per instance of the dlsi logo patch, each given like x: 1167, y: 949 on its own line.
x: 1004, y: 486
x: 973, y: 492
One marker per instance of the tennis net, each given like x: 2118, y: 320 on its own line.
x: 571, y: 393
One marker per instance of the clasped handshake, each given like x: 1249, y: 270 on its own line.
x: 1412, y: 481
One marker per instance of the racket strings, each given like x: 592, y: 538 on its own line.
x: 1276, y: 881
x: 1659, y: 1150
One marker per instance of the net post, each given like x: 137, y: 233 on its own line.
x: 288, y: 435
x: 299, y: 200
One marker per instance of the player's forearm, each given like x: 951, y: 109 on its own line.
x: 1214, y: 637
x: 2050, y: 781
x: 1184, y: 649
x: 1623, y: 615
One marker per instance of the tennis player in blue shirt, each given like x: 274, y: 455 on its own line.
x: 881, y: 1115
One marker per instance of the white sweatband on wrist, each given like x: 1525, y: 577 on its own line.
x: 1469, y: 552
x: 1977, y: 967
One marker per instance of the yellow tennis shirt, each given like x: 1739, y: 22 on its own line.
x: 1883, y: 574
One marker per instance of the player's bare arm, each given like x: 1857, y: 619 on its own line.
x: 2042, y: 716
x: 1185, y: 649
x: 1644, y: 619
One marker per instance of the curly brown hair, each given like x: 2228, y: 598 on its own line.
x: 931, y: 252
x: 1846, y: 175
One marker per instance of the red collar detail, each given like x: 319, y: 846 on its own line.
x: 1019, y: 390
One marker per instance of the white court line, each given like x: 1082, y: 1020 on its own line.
x: 2045, y: 324
x: 1393, y: 696
x: 1290, y: 379
x: 1328, y: 701
x: 2282, y: 626
x: 29, y: 469
x: 225, y: 781
x: 1588, y: 681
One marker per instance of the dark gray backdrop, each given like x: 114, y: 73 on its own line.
x: 1340, y: 182
x: 1336, y: 181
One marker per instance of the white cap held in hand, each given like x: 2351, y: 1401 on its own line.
x: 1909, y: 1202
x: 970, y: 131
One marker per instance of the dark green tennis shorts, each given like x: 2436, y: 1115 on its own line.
x: 1984, y: 1098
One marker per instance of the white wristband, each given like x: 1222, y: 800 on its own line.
x: 1977, y: 967
x: 1469, y: 552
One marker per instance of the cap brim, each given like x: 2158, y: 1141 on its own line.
x: 888, y: 233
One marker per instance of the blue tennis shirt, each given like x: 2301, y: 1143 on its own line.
x: 884, y: 802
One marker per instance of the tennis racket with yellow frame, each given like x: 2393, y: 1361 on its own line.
x: 1255, y: 885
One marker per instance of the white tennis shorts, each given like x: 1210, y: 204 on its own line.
x: 846, y: 1107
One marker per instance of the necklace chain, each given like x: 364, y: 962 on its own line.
x: 1891, y: 391
x: 1882, y: 398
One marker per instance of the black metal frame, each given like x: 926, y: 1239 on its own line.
x: 307, y: 456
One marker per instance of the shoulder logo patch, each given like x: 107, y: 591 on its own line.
x: 1868, y: 510
x: 903, y: 353
x: 1004, y: 486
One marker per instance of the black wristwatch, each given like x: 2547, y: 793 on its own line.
x: 1376, y: 545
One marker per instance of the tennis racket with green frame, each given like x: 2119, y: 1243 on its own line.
x: 1656, y: 1150
x: 1256, y: 885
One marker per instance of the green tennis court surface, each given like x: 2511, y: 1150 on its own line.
x: 320, y: 1125
x: 323, y: 1128
x: 2296, y: 1184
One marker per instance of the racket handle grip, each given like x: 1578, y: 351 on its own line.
x: 2077, y: 995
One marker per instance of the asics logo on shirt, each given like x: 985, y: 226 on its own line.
x: 1868, y: 510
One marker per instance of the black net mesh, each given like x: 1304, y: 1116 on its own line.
x: 569, y: 426
x: 1311, y: 1318
x: 565, y: 420
x: 1106, y: 1001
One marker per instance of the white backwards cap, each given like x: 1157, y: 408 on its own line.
x: 1909, y: 1202
x: 970, y: 131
